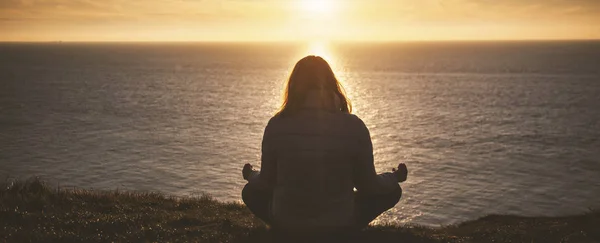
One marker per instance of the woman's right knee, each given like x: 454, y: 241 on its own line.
x: 395, y: 196
x: 398, y: 193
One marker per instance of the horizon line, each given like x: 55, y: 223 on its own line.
x: 305, y: 41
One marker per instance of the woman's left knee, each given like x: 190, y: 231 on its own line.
x: 248, y: 194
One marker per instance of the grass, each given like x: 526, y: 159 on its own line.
x: 30, y: 211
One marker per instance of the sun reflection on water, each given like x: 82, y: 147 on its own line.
x: 321, y: 49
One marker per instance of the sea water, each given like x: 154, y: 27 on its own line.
x: 484, y: 127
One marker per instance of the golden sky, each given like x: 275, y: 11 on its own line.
x: 282, y: 20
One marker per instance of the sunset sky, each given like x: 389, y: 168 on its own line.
x: 282, y: 20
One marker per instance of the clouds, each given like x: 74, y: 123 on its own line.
x: 251, y: 10
x: 498, y: 11
x: 86, y: 11
x: 76, y: 10
x: 107, y: 18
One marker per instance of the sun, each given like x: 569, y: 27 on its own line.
x: 315, y: 20
x: 317, y: 6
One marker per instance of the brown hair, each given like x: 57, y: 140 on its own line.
x: 313, y: 73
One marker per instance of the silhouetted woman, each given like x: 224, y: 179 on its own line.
x: 314, y: 153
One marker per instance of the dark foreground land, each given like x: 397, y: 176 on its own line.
x: 32, y: 212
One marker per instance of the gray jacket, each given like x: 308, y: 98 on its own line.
x: 312, y: 161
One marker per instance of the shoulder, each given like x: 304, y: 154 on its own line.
x: 355, y: 120
x: 351, y: 123
x: 345, y: 120
x: 274, y: 119
x: 359, y: 126
x: 273, y: 123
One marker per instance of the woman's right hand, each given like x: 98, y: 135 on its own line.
x: 401, y: 172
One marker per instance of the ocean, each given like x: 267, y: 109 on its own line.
x: 484, y: 127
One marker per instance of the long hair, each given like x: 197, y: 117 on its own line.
x: 313, y: 74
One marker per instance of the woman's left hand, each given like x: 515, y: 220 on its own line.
x: 246, y: 171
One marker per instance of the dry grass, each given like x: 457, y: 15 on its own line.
x: 32, y: 212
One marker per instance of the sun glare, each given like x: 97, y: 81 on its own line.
x: 316, y: 20
x: 317, y: 6
x: 319, y: 48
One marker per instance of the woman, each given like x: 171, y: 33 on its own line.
x: 314, y: 153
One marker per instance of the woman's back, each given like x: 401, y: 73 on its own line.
x: 313, y: 151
